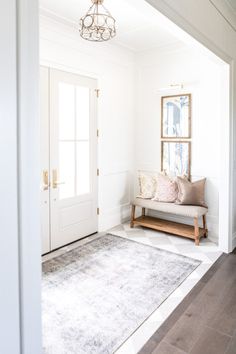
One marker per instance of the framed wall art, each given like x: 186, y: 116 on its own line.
x: 176, y: 117
x: 176, y: 157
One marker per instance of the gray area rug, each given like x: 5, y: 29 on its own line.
x: 97, y: 295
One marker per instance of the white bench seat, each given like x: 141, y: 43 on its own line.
x: 194, y: 232
x: 191, y: 211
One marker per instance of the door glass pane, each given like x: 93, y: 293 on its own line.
x: 66, y: 173
x: 82, y: 112
x: 66, y: 111
x: 83, y: 168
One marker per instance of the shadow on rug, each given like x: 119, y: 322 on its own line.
x: 97, y: 295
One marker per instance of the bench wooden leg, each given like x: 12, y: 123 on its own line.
x: 143, y: 211
x: 196, y: 232
x: 132, y: 216
x: 204, y: 225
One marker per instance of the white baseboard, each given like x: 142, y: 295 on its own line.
x: 213, y: 238
x: 234, y: 241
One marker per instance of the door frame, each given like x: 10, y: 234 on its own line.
x: 9, y: 253
x: 227, y: 239
x: 28, y: 165
x: 28, y: 219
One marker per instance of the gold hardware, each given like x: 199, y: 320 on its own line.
x: 54, y: 178
x: 55, y: 182
x: 98, y: 211
x: 98, y: 133
x: 97, y: 92
x: 98, y: 2
x: 177, y: 85
x: 45, y: 180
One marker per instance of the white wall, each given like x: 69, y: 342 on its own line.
x: 61, y: 47
x: 158, y: 69
x: 129, y: 111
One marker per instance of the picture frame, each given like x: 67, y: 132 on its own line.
x: 176, y: 116
x: 176, y: 157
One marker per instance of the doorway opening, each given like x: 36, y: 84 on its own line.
x: 149, y: 59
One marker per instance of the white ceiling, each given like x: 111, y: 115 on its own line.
x: 139, y: 26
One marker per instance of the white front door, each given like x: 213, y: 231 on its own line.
x: 72, y: 155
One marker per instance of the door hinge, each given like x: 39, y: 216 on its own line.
x: 97, y: 92
x: 98, y: 172
x: 98, y: 211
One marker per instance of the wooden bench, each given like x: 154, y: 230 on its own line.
x: 194, y: 232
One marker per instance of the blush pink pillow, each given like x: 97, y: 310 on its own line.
x: 166, y: 190
x: 191, y: 193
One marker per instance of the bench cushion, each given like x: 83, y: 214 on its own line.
x: 171, y: 208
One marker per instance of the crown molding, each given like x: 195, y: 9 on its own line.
x: 55, y: 17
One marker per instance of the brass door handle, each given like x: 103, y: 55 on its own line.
x: 55, y: 182
x: 45, y: 180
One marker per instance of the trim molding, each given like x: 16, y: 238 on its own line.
x: 52, y: 16
x: 27, y: 61
x: 226, y: 11
x: 234, y: 241
x: 55, y: 17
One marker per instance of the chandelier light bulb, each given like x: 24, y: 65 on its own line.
x: 97, y: 25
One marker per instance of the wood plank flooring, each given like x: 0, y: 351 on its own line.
x: 205, y: 321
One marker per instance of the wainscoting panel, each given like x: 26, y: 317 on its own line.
x: 115, y: 198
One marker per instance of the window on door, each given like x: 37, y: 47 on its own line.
x: 74, y: 135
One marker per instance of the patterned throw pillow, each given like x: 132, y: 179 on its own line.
x: 147, y: 185
x: 166, y: 190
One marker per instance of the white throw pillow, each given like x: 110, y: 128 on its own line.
x: 147, y: 185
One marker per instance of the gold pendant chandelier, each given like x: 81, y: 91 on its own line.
x: 97, y: 25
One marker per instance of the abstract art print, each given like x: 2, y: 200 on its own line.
x: 176, y: 116
x: 176, y: 157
